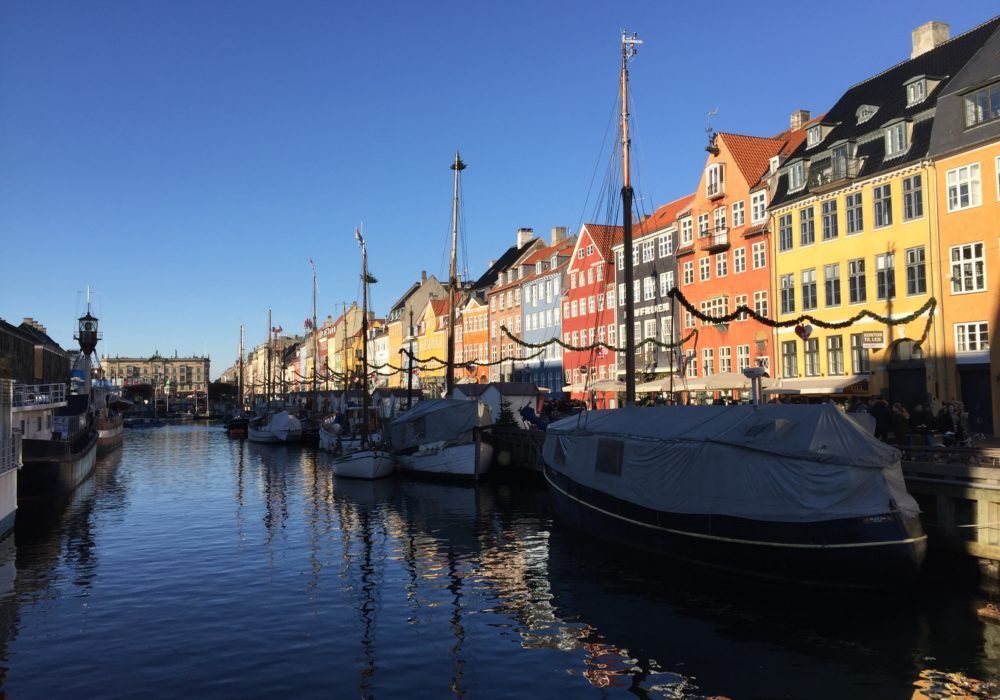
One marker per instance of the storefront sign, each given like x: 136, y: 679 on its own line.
x: 873, y: 339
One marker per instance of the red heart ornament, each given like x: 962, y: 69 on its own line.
x: 803, y: 331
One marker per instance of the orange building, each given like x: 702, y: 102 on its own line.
x: 475, y: 329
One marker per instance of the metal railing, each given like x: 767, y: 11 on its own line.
x: 835, y: 171
x: 10, y: 453
x: 717, y: 237
x: 38, y: 394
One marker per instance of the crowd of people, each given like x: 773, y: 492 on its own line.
x: 896, y: 423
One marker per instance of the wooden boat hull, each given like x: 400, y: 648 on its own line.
x: 364, y: 464
x: 467, y: 461
x: 875, y: 552
x: 110, y: 434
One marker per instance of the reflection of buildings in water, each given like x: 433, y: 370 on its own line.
x: 939, y: 684
x: 272, y: 461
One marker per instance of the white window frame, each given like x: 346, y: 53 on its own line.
x: 972, y: 331
x: 665, y: 245
x: 739, y: 260
x: 715, y: 180
x: 687, y: 231
x: 759, y: 255
x: 688, y: 268
x: 968, y: 271
x: 704, y: 269
x: 758, y: 207
x: 739, y: 213
x: 968, y: 177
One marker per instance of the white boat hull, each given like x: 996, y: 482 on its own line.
x: 280, y: 429
x: 465, y: 461
x: 328, y: 442
x: 364, y: 464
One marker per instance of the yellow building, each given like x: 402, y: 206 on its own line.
x: 965, y: 148
x: 432, y: 341
x: 854, y: 227
x: 402, y: 319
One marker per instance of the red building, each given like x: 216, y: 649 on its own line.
x: 723, y: 256
x: 588, y: 317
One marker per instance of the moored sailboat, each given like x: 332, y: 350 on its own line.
x: 442, y: 437
x: 274, y: 425
x: 791, y: 492
x: 369, y: 460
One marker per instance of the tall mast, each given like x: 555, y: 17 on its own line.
x: 409, y: 366
x: 240, y: 383
x: 364, y: 337
x: 270, y: 336
x: 315, y: 332
x: 458, y: 166
x: 628, y: 51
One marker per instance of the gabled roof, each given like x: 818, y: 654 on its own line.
x: 440, y: 307
x: 603, y: 237
x: 752, y: 154
x: 509, y: 257
x: 664, y: 217
x: 887, y: 93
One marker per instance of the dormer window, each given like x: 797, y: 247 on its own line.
x: 715, y: 181
x: 866, y: 112
x: 538, y: 267
x: 814, y: 135
x: 553, y: 262
x: 896, y: 138
x: 797, y: 176
x: 775, y: 162
x: 916, y: 91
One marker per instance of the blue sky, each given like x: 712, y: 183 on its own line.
x: 186, y: 159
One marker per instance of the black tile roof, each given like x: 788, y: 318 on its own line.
x: 509, y: 257
x: 886, y: 91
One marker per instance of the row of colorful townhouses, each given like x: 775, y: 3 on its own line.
x: 887, y: 203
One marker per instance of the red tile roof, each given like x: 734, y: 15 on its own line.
x: 664, y: 216
x: 440, y: 307
x: 604, y: 237
x: 752, y: 154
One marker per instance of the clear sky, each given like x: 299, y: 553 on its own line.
x: 186, y: 159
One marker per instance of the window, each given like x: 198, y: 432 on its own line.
x: 758, y: 207
x: 831, y: 284
x: 620, y: 259
x: 648, y: 289
x: 882, y: 197
x: 666, y: 245
x: 855, y: 219
x: 719, y: 219
x: 885, y: 276
x: 691, y: 362
x: 612, y: 339
x: 687, y: 231
x: 667, y: 329
x: 913, y: 200
x: 566, y: 313
x: 647, y: 251
x: 742, y: 357
x: 590, y: 249
x: 636, y: 290
x: 834, y: 354
x: 830, y: 220
x: 689, y: 272
x: 895, y: 139
x: 600, y: 272
x: 708, y: 361
x: 739, y: 260
x: 968, y: 268
x: 572, y: 309
x: 916, y: 273
x: 787, y: 294
x: 715, y: 180
x: 916, y: 91
x: 972, y: 337
x: 807, y: 226
x: 811, y: 357
x: 590, y: 275
x: 621, y: 293
x: 738, y: 301
x: 635, y: 255
x: 649, y: 330
x: 611, y: 299
x: 982, y: 105
x: 702, y: 224
x: 865, y: 112
x: 493, y: 303
x: 688, y: 319
x: 760, y: 303
x: 590, y: 304
x: 721, y: 264
x: 739, y: 216
x: 809, y: 289
x: 963, y: 187
x: 759, y: 255
x: 666, y: 282
x: 785, y: 232
x: 789, y: 360
x: 856, y: 288
x: 704, y: 269
x: 796, y: 176
x: 517, y: 297
x: 814, y: 135
x: 860, y: 358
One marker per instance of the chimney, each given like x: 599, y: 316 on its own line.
x: 798, y: 120
x: 423, y: 276
x: 928, y: 36
x: 558, y: 234
x: 524, y: 236
x: 29, y: 321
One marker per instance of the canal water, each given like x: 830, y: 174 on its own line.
x: 190, y: 565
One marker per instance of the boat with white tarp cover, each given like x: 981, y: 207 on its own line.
x: 441, y: 437
x: 797, y: 492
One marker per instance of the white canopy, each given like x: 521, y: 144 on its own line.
x: 449, y: 420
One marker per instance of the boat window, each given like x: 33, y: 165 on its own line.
x: 609, y: 456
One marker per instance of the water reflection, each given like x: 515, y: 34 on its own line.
x: 226, y: 569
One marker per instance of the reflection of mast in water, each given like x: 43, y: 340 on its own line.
x: 319, y: 499
x: 455, y: 587
x: 275, y: 497
x: 240, y: 475
x: 369, y: 604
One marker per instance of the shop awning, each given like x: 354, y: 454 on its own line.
x: 809, y: 386
x: 608, y: 385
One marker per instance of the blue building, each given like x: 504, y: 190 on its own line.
x: 541, y: 309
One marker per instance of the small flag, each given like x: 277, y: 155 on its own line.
x: 308, y: 324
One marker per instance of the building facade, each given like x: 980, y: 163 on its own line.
x: 177, y: 376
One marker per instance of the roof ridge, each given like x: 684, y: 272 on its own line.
x: 893, y: 67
